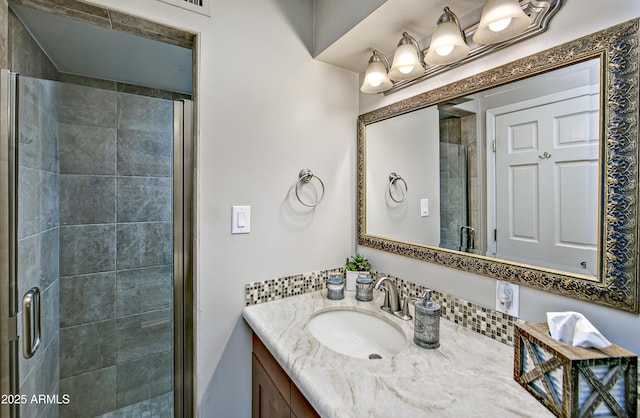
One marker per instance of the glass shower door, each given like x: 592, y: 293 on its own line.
x: 455, y: 230
x: 92, y: 251
x: 37, y: 247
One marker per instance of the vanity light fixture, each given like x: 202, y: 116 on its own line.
x: 448, y: 43
x: 502, y: 23
x: 407, y: 60
x: 376, y: 79
x: 501, y: 20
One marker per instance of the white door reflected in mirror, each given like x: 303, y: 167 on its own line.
x: 546, y: 180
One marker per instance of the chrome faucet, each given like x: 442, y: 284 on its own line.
x: 391, y: 299
x: 391, y: 302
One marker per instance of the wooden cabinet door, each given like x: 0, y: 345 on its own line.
x: 266, y: 399
x: 273, y: 394
x: 300, y: 407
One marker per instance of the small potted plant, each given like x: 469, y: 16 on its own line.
x: 356, y: 266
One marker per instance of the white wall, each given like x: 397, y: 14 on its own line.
x: 575, y: 19
x: 282, y: 113
x: 266, y: 110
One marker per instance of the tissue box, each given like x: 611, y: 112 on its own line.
x: 573, y: 381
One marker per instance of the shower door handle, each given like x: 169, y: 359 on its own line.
x: 30, y: 322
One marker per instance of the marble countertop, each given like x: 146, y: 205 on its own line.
x: 469, y: 375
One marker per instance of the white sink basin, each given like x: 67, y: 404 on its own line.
x: 357, y: 333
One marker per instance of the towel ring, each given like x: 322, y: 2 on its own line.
x: 305, y: 176
x: 393, y: 178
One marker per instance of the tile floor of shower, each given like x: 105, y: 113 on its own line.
x: 158, y: 407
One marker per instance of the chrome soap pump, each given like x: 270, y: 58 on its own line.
x: 426, y: 331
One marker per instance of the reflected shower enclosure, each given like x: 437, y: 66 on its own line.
x: 455, y: 232
x: 458, y: 180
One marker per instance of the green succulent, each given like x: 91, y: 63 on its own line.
x: 357, y: 263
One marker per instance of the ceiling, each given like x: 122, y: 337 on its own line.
x: 80, y: 48
x: 382, y: 29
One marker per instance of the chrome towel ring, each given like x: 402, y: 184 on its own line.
x: 305, y: 176
x: 393, y: 178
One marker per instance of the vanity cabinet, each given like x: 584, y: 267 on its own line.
x: 273, y: 394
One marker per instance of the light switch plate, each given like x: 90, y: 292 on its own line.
x: 240, y: 219
x: 424, y: 207
x: 508, y: 298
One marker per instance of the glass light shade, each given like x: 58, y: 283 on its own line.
x: 406, y: 64
x: 501, y: 20
x: 447, y: 45
x: 376, y: 79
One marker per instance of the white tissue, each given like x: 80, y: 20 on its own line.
x: 574, y: 329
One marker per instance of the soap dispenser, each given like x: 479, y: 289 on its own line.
x: 426, y: 331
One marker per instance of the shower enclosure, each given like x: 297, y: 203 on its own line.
x: 458, y: 178
x: 93, y: 202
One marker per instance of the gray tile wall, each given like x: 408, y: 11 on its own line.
x: 38, y: 232
x: 116, y: 318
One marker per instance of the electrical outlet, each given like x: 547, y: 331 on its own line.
x: 508, y: 298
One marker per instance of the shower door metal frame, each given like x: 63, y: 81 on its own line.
x: 183, y: 260
x: 9, y: 348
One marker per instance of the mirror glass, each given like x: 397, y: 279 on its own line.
x: 509, y: 172
x: 525, y: 173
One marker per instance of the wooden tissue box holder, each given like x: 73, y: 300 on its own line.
x: 573, y: 381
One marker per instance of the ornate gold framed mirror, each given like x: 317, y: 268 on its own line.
x: 612, y: 276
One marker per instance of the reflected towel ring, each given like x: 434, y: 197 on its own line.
x: 305, y: 176
x: 393, y: 178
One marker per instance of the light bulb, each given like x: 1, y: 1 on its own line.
x: 375, y: 76
x: 448, y: 44
x: 501, y: 21
x: 443, y: 51
x: 406, y: 60
x: 406, y: 69
x: 500, y: 25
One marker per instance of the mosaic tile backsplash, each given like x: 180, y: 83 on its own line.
x: 274, y: 289
x: 485, y: 321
